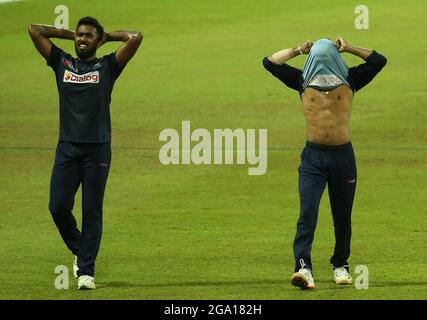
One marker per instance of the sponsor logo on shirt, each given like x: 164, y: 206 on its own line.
x: 69, y: 65
x: 325, y: 80
x: 91, y: 77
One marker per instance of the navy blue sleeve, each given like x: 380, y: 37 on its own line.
x: 116, y: 69
x: 55, y: 57
x: 290, y: 76
x: 361, y: 75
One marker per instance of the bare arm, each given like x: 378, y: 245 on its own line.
x: 131, y: 42
x: 343, y: 46
x: 41, y: 34
x: 289, y: 75
x: 282, y: 56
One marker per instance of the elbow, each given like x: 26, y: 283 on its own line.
x: 31, y: 29
x: 271, y: 60
x: 34, y: 29
x: 380, y: 60
x: 139, y: 36
x: 266, y: 62
x: 135, y: 37
x: 383, y: 62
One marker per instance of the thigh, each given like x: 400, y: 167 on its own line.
x: 312, y: 179
x: 342, y: 185
x: 66, y: 177
x: 95, y: 173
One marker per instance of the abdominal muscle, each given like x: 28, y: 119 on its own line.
x: 328, y: 114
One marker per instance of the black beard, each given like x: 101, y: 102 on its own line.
x: 85, y: 54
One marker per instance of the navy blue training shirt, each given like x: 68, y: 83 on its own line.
x: 84, y: 96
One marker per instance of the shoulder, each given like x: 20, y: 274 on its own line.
x: 111, y: 57
x: 56, y: 56
x: 109, y: 62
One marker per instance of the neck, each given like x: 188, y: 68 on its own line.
x: 87, y: 59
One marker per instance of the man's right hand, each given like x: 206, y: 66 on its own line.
x: 306, y: 46
x: 41, y: 33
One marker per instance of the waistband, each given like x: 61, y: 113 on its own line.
x: 79, y: 143
x: 329, y: 146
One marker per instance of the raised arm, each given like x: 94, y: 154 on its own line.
x: 343, y: 46
x: 131, y: 42
x: 361, y: 75
x: 41, y: 34
x: 289, y: 75
x: 282, y: 56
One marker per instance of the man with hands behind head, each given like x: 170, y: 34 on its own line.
x: 83, y: 152
x: 326, y: 87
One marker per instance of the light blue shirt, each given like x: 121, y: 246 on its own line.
x: 324, y: 67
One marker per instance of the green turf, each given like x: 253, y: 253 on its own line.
x: 213, y: 232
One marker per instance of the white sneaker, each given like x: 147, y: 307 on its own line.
x: 341, y: 276
x: 86, y: 283
x: 303, y: 279
x: 75, y: 267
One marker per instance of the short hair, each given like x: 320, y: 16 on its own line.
x: 92, y: 22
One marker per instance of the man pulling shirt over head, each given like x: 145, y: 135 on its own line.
x: 326, y: 86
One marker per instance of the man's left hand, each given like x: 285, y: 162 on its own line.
x: 341, y: 44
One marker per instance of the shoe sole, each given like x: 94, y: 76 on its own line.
x: 300, y: 281
x: 85, y: 288
x: 343, y: 282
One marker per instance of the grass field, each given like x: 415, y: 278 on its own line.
x: 213, y: 232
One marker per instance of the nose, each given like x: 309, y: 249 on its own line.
x: 82, y: 38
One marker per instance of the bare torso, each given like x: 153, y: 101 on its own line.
x: 327, y: 114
